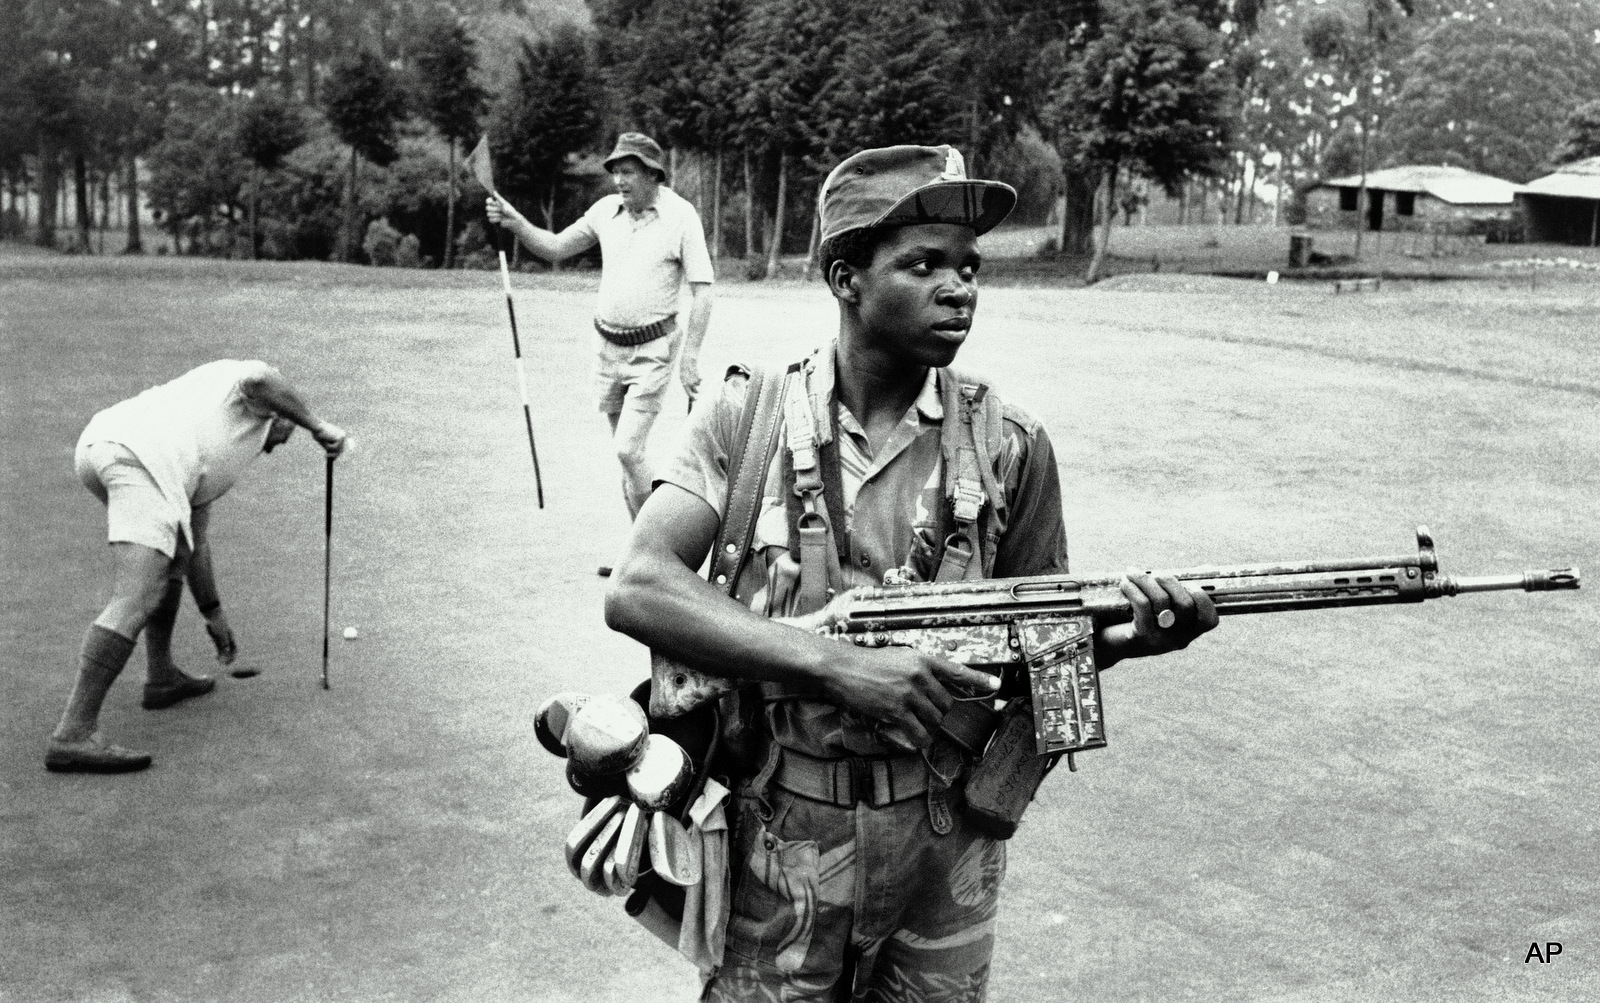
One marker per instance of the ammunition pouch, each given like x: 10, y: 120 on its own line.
x: 1006, y: 777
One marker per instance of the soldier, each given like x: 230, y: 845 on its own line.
x: 852, y: 874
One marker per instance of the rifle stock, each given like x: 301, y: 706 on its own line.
x: 1048, y: 623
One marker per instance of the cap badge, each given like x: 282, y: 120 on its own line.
x: 955, y: 168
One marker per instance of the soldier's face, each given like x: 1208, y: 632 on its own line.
x: 917, y: 298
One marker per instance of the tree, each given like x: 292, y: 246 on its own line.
x: 786, y: 64
x: 552, y: 111
x: 364, y: 104
x: 449, y: 94
x: 1361, y: 42
x: 895, y: 82
x: 1148, y: 95
x: 1486, y: 89
x: 197, y: 171
x: 1580, y: 135
x: 270, y: 129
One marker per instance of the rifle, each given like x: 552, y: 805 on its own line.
x: 1047, y: 624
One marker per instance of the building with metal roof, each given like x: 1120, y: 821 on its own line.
x: 1564, y: 207
x: 1422, y: 197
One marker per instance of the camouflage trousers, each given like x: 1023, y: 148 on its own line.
x: 827, y: 891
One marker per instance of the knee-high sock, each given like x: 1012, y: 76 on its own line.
x: 104, y: 654
x: 158, y: 635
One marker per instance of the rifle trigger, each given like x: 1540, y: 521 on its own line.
x: 1072, y: 764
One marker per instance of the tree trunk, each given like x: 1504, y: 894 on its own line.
x: 749, y: 209
x: 255, y: 202
x: 1077, y: 214
x: 548, y: 210
x: 135, y: 246
x: 450, y: 209
x: 1093, y: 275
x: 105, y: 212
x: 816, y: 244
x: 350, y: 212
x: 1361, y: 191
x: 310, y: 58
x: 80, y: 193
x: 1238, y: 206
x: 775, y: 248
x: 716, y: 210
x: 291, y: 19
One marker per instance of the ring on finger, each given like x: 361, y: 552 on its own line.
x: 1166, y: 618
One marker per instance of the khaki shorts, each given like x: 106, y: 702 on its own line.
x: 638, y: 374
x: 136, y: 510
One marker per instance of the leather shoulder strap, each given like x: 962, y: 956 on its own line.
x: 753, y: 448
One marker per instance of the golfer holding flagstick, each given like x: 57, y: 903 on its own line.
x: 652, y: 243
x: 157, y: 461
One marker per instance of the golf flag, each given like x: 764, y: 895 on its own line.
x: 478, y: 163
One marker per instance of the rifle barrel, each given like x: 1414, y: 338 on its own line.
x: 1553, y: 580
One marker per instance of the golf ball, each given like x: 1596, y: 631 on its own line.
x: 350, y: 633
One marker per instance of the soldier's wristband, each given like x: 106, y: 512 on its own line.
x: 211, y: 609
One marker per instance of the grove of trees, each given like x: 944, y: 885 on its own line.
x: 292, y: 128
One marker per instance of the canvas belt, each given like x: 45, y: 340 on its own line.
x: 875, y: 780
x: 634, y: 335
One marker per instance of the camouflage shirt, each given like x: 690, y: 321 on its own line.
x: 893, y: 505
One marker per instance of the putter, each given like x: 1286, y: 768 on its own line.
x: 327, y: 564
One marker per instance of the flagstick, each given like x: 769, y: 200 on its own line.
x: 478, y: 162
x: 522, y: 375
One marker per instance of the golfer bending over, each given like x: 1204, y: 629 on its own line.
x: 157, y: 461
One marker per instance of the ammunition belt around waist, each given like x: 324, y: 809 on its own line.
x: 875, y: 780
x: 635, y: 335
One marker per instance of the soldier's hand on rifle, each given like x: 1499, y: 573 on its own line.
x: 1166, y: 617
x: 905, y: 689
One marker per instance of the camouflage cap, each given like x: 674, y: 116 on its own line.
x: 899, y: 185
x: 642, y: 148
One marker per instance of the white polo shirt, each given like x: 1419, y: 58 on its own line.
x: 646, y: 260
x: 195, y: 435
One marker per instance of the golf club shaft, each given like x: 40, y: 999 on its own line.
x: 327, y: 565
x: 522, y: 378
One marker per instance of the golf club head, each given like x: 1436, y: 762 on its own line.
x: 591, y: 869
x: 662, y: 776
x: 550, y: 723
x: 674, y: 853
x: 592, y: 785
x: 588, y: 828
x: 607, y: 735
x: 631, y: 839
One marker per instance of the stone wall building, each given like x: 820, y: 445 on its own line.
x: 1419, y: 198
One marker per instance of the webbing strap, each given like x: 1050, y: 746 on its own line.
x: 966, y: 485
x: 813, y: 526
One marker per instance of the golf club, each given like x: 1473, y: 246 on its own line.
x: 327, y: 564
